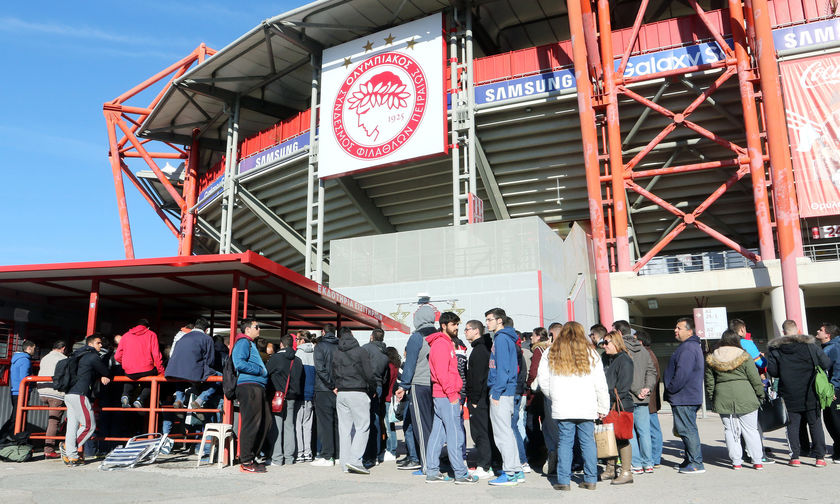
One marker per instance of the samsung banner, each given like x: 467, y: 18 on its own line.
x: 382, y: 99
x: 812, y: 104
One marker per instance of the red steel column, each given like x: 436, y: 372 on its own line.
x: 93, y: 307
x: 185, y: 245
x: 787, y: 213
x: 754, y: 151
x: 227, y: 417
x: 619, y: 196
x: 590, y: 157
x: 122, y: 206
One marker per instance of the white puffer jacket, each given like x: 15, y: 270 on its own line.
x: 573, y: 396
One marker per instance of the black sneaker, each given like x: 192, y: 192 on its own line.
x: 410, y: 465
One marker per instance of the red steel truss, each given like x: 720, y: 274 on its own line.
x: 122, y: 122
x: 752, y: 61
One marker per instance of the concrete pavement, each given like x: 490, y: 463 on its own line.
x: 175, y: 478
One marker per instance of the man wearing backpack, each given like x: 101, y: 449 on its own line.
x: 81, y: 423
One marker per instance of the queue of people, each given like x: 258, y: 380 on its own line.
x: 341, y: 401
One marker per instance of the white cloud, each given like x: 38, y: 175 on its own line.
x: 16, y: 25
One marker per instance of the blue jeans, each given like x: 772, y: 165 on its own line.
x: 685, y: 423
x: 410, y: 445
x: 518, y: 419
x: 655, y: 439
x: 584, y: 432
x: 641, y: 436
x: 445, y: 428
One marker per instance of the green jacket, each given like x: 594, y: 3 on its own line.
x: 732, y: 382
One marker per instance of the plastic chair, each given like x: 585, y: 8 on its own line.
x: 220, y: 432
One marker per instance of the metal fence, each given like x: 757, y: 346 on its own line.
x: 701, y: 261
x: 823, y: 251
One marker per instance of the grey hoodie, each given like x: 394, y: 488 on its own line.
x: 305, y: 353
x: 416, y: 368
x: 644, y: 371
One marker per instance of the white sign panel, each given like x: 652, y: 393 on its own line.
x: 382, y: 99
x: 709, y: 323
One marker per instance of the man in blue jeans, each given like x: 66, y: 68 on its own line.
x: 446, y: 396
x: 684, y: 390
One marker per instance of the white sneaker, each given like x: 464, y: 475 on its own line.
x: 389, y: 457
x: 482, y: 474
x: 526, y: 468
x: 322, y: 462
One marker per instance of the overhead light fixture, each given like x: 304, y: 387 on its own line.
x: 653, y: 304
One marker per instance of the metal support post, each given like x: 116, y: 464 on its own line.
x: 470, y: 85
x: 455, y: 126
x: 622, y: 244
x: 229, y: 193
x: 116, y: 168
x: 590, y: 156
x: 93, y: 307
x: 319, y: 244
x: 190, y: 197
x: 312, y: 172
x: 787, y: 213
x: 754, y: 150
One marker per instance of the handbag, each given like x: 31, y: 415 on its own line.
x: 278, y: 402
x: 622, y: 420
x: 822, y: 386
x: 772, y: 414
x: 605, y: 443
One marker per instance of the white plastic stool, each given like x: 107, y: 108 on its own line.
x: 221, y: 432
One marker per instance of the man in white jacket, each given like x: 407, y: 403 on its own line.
x: 52, y: 397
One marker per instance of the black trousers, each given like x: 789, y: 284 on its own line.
x: 254, y: 420
x: 812, y: 417
x: 327, y: 423
x: 145, y: 390
x: 831, y: 416
x: 376, y: 436
x: 480, y: 431
x: 9, y: 426
x: 422, y: 415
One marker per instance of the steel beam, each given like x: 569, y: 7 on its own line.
x: 246, y: 102
x: 283, y: 229
x: 364, y: 205
x: 787, y: 211
x: 592, y: 165
x: 491, y: 186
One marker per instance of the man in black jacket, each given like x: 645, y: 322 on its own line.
x: 353, y: 382
x: 325, y: 398
x: 478, y: 398
x: 285, y: 371
x: 379, y: 367
x: 81, y: 423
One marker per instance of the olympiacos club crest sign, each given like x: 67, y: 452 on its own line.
x: 382, y: 99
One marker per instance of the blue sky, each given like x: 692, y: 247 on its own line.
x: 62, y: 61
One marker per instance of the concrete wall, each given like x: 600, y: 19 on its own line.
x: 468, y: 270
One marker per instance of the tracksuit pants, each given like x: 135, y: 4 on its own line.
x: 81, y: 423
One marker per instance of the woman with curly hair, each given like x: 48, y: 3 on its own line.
x: 572, y: 376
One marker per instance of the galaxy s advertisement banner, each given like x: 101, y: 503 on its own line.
x: 382, y: 99
x: 812, y: 103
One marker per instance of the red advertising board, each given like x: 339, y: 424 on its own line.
x: 812, y: 103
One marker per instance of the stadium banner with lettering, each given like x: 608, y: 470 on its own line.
x: 812, y: 104
x: 274, y: 155
x: 382, y: 99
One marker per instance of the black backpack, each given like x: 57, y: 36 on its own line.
x: 64, y: 375
x: 229, y: 377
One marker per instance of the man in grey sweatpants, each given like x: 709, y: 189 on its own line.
x: 501, y: 380
x: 353, y: 380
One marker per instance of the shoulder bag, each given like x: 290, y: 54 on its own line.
x: 622, y: 420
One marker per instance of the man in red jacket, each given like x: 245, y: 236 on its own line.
x: 139, y: 355
x: 446, y: 396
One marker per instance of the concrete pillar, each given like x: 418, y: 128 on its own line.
x: 621, y: 309
x: 779, y: 314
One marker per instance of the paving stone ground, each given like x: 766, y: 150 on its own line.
x: 175, y: 478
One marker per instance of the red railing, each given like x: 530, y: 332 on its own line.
x: 153, y: 412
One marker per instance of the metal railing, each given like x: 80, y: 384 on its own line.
x: 822, y: 251
x: 154, y: 410
x: 701, y: 261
